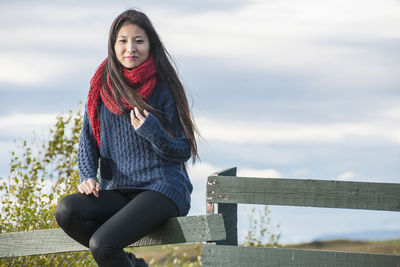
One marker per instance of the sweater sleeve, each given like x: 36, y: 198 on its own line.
x: 175, y: 149
x: 88, y: 153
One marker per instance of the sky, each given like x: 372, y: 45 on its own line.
x: 288, y: 89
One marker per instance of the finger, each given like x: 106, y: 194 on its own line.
x: 93, y: 188
x: 97, y: 189
x: 138, y: 114
x: 80, y: 189
x: 86, y: 188
x: 145, y: 113
x: 132, y: 114
x: 92, y: 184
x: 134, y: 119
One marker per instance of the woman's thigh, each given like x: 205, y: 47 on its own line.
x: 145, y: 212
x: 89, y: 207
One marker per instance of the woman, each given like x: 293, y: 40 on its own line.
x: 137, y: 124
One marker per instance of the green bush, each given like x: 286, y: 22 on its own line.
x: 28, y: 201
x: 261, y: 232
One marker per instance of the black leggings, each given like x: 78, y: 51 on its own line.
x: 112, y: 221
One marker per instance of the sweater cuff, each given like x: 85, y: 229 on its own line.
x: 149, y: 127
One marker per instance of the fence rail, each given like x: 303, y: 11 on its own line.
x: 234, y: 256
x: 302, y: 192
x: 225, y: 190
x: 175, y: 230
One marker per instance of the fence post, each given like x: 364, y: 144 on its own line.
x: 228, y: 211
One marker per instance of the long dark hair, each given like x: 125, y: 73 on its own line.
x: 164, y: 70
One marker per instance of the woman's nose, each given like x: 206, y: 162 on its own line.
x: 131, y: 47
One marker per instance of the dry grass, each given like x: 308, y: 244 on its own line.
x: 165, y: 255
x: 384, y: 247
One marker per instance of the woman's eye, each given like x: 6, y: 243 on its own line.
x: 139, y: 41
x: 122, y: 41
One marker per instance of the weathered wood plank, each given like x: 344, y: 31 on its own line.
x: 233, y: 256
x: 175, y: 230
x: 228, y: 211
x: 301, y: 192
x: 212, y: 208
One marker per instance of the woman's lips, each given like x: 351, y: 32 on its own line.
x: 131, y: 57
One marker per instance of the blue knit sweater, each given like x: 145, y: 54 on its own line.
x: 147, y: 159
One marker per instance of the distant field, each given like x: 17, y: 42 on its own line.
x: 384, y: 247
x: 164, y: 255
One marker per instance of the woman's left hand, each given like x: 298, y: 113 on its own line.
x: 137, y: 118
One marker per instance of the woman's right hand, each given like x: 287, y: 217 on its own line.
x: 89, y: 186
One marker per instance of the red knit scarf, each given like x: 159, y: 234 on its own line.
x: 142, y: 77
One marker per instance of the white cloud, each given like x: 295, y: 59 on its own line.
x: 303, y: 37
x: 28, y: 120
x: 34, y: 68
x: 28, y: 68
x: 272, y: 132
x: 200, y: 171
x: 47, y: 43
x: 261, y: 173
x: 272, y: 22
x: 348, y: 175
x: 15, y: 126
x: 243, y: 132
x: 393, y: 114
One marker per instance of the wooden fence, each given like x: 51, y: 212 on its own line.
x: 219, y: 227
x: 225, y: 191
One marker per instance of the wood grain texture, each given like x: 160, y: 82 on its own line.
x: 228, y: 211
x: 234, y: 256
x: 302, y: 192
x: 175, y: 230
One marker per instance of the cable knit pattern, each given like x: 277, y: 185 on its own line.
x: 147, y: 159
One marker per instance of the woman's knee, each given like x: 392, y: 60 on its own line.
x: 95, y: 245
x: 101, y: 248
x: 65, y: 210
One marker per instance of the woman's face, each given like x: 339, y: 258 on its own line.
x: 132, y: 46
